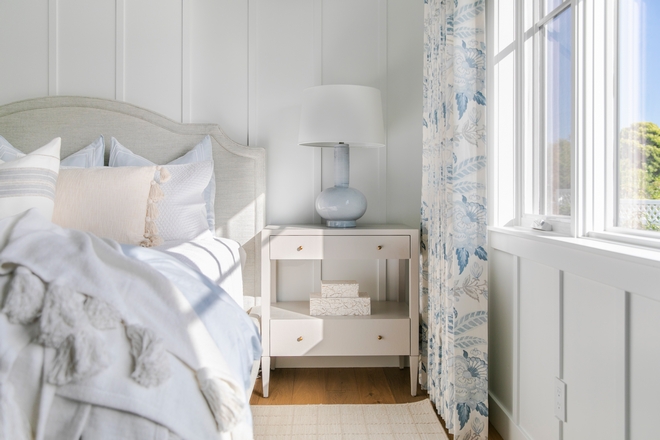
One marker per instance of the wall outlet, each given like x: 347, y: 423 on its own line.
x: 560, y: 399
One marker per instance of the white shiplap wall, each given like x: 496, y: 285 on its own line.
x: 243, y: 65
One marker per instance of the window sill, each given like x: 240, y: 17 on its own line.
x: 596, y: 246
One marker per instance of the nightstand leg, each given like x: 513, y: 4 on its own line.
x: 265, y: 375
x: 402, y: 362
x: 414, y: 364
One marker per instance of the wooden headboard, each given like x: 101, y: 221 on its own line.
x: 240, y: 171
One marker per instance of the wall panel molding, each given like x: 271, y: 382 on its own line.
x: 185, y: 61
x: 252, y: 74
x: 52, y: 47
x: 318, y: 80
x: 382, y: 80
x: 120, y: 42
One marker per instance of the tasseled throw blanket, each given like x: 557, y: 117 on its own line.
x: 72, y: 292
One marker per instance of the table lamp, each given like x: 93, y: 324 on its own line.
x: 340, y: 116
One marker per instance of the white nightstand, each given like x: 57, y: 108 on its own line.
x: 287, y: 329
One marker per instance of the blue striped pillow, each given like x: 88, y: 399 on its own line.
x: 29, y: 181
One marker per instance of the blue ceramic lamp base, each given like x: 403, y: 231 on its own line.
x: 341, y: 205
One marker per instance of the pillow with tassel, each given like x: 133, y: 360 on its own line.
x: 115, y: 203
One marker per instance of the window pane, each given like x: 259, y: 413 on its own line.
x: 550, y: 5
x: 530, y: 158
x: 639, y: 115
x: 504, y: 120
x: 558, y: 114
x: 506, y: 23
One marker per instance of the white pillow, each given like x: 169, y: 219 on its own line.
x: 116, y: 203
x: 182, y: 213
x: 29, y: 181
x: 90, y: 156
x: 121, y: 156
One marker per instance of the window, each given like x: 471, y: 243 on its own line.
x: 638, y: 173
x: 574, y: 116
x: 549, y: 180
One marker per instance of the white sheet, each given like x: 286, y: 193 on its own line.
x: 219, y: 259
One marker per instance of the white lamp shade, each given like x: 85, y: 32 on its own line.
x: 341, y: 113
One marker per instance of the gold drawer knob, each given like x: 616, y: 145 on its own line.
x: 380, y: 247
x: 299, y: 248
x: 380, y: 337
x: 299, y: 338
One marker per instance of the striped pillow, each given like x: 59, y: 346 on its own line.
x: 29, y: 181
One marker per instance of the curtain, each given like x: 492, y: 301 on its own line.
x: 453, y: 278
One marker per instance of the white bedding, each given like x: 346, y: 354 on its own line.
x: 220, y: 259
x: 208, y: 342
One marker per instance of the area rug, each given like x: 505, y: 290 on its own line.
x: 407, y: 421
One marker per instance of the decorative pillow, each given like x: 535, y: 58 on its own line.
x: 29, y: 181
x: 183, y: 210
x: 121, y: 156
x: 90, y: 156
x: 116, y: 203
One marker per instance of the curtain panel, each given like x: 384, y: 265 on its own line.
x: 453, y: 278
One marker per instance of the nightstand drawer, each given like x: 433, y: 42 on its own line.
x: 340, y: 337
x: 378, y: 247
x: 296, y: 247
x: 304, y: 247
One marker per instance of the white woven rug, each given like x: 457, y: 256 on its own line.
x: 407, y: 421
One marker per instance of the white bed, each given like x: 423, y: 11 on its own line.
x: 225, y: 257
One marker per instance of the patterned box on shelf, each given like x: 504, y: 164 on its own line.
x: 339, y: 289
x: 319, y: 306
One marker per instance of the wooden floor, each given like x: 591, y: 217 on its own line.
x: 301, y: 386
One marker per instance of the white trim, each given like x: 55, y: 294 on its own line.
x: 185, y: 61
x: 629, y: 268
x: 621, y: 363
x: 120, y: 50
x: 317, y: 166
x: 382, y: 79
x: 502, y: 421
x: 516, y: 340
x: 52, y: 47
x: 252, y: 137
x: 490, y: 90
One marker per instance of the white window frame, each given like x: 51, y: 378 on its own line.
x: 595, y: 120
x: 560, y: 224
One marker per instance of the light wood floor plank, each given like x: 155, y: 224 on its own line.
x: 372, y: 386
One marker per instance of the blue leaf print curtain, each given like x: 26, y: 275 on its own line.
x: 454, y: 288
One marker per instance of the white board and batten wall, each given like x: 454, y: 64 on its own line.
x: 243, y: 65
x: 588, y: 314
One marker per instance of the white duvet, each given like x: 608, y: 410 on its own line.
x: 96, y: 344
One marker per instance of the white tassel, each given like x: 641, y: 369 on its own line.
x: 13, y: 423
x: 25, y: 298
x: 81, y: 355
x: 60, y: 314
x: 101, y: 314
x: 223, y: 397
x: 152, y: 366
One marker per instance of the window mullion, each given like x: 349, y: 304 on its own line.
x: 579, y: 118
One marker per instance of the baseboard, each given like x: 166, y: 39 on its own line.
x: 503, y: 422
x: 336, y: 361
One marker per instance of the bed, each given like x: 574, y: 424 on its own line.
x: 142, y: 336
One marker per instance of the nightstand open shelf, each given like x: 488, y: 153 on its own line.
x: 288, y: 329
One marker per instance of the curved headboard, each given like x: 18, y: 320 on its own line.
x: 240, y: 171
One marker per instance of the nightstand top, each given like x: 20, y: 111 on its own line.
x: 319, y: 229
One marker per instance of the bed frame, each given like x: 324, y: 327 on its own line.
x: 240, y: 171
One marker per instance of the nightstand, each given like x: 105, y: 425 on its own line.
x: 287, y: 329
